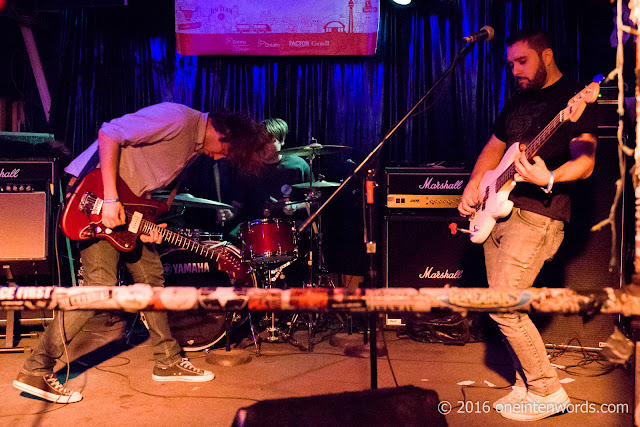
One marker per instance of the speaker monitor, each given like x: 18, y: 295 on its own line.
x: 407, y: 405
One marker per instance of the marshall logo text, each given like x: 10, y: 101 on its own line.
x: 430, y: 274
x: 13, y: 174
x: 430, y: 185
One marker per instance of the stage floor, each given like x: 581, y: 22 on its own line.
x: 118, y: 390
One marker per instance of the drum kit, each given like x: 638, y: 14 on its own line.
x: 267, y: 247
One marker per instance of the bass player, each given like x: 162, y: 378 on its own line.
x: 521, y: 242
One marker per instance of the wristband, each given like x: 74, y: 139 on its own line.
x: 111, y: 201
x: 550, y: 185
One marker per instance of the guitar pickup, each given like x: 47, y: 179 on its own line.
x: 134, y: 224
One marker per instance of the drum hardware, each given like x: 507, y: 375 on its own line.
x: 273, y: 333
x: 317, y: 184
x: 189, y: 201
x: 315, y: 149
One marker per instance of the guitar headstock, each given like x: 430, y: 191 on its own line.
x: 578, y: 103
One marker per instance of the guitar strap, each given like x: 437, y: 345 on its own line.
x: 91, y: 165
x: 176, y: 186
x: 93, y: 162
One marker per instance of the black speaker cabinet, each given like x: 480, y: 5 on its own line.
x: 421, y: 252
x: 27, y: 191
x: 403, y: 406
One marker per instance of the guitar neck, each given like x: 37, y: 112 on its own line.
x: 146, y: 227
x: 531, y: 148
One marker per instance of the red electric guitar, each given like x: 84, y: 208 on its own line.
x: 82, y: 220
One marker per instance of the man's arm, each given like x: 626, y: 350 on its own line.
x: 583, y: 158
x: 488, y: 160
x: 113, y: 213
x: 109, y: 149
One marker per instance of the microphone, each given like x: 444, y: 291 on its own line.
x: 485, y: 33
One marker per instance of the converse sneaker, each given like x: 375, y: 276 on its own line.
x: 47, y: 387
x: 534, y: 407
x: 517, y: 393
x: 182, y: 370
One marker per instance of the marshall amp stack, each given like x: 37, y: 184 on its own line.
x: 419, y: 248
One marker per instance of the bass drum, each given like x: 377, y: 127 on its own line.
x: 197, y: 330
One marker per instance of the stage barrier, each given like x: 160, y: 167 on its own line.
x: 141, y: 297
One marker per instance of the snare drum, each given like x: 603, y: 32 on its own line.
x: 197, y: 330
x: 269, y: 240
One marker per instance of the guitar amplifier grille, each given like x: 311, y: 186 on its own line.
x: 23, y: 226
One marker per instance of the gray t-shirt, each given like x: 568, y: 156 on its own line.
x: 158, y: 142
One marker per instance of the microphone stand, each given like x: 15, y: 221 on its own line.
x: 369, y: 242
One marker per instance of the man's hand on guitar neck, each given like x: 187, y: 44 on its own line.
x: 154, y: 236
x: 535, y: 173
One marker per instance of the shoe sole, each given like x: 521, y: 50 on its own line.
x: 55, y: 398
x: 184, y: 378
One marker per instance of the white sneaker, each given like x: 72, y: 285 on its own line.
x: 534, y: 407
x: 518, y: 393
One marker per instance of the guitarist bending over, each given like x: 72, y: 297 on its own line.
x: 530, y: 233
x: 147, y: 149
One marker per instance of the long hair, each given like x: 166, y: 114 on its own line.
x: 246, y: 137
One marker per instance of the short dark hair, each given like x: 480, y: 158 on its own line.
x: 537, y: 39
x: 277, y: 128
x: 245, y: 136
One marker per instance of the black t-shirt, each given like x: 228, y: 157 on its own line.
x: 254, y: 193
x: 522, y: 119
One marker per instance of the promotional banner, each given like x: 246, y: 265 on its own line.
x: 277, y: 27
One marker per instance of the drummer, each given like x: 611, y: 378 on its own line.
x: 264, y: 196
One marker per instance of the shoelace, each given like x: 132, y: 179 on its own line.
x: 185, y: 363
x: 55, y: 384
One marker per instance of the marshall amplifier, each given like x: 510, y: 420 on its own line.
x: 428, y: 187
x: 27, y: 189
x: 421, y: 252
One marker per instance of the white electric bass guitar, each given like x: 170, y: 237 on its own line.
x: 496, y: 184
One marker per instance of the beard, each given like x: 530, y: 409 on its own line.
x: 540, y: 76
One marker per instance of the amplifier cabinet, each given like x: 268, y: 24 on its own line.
x: 421, y: 252
x: 27, y: 190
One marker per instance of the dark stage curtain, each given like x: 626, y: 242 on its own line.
x: 114, y: 61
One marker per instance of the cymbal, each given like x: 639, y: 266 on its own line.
x: 317, y: 184
x: 315, y: 149
x: 189, y: 201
